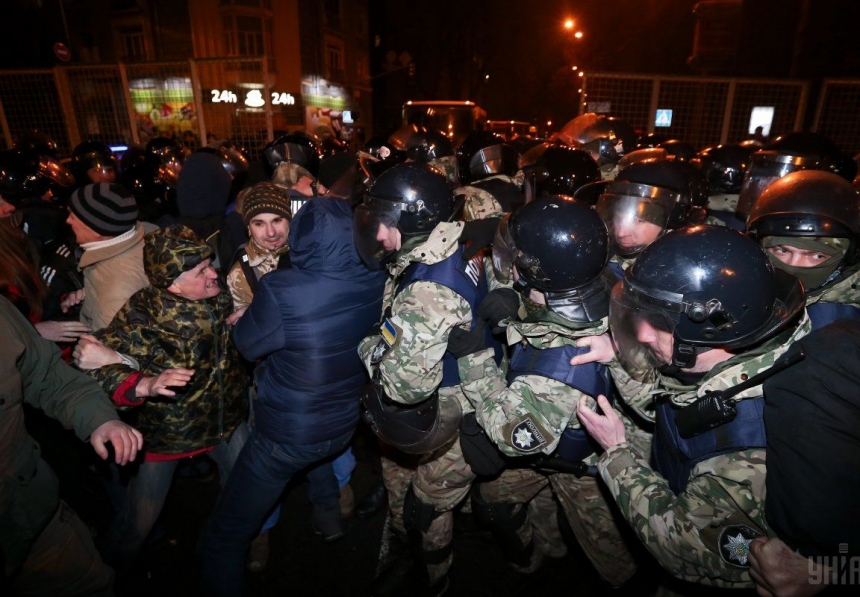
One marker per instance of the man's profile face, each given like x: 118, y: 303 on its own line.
x: 389, y: 237
x: 83, y: 233
x: 658, y: 342
x: 270, y: 231
x: 198, y: 283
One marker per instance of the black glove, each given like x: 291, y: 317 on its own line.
x: 462, y: 342
x: 480, y: 234
x: 502, y: 303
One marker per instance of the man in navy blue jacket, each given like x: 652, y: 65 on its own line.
x: 305, y: 323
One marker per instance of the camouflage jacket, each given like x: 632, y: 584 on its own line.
x: 549, y: 404
x: 480, y: 204
x: 161, y: 330
x: 262, y: 261
x: 846, y: 290
x: 698, y: 535
x: 422, y: 316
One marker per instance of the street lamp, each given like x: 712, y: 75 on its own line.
x: 578, y: 35
x: 568, y: 24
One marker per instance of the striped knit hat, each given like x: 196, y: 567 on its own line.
x: 264, y: 198
x: 109, y: 209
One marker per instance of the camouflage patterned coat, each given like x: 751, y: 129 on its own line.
x: 262, y: 261
x: 547, y: 403
x: 846, y: 290
x: 479, y: 203
x: 695, y: 534
x: 162, y: 330
x: 422, y: 315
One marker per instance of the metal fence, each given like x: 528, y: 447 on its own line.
x: 704, y: 110
x: 838, y: 113
x: 192, y: 102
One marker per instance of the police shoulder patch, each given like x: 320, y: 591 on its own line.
x: 734, y: 542
x: 526, y: 436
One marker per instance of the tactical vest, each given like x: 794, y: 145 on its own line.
x: 466, y: 278
x: 507, y: 194
x: 593, y: 379
x: 674, y: 457
x: 821, y: 313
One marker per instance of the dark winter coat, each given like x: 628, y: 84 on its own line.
x: 306, y: 323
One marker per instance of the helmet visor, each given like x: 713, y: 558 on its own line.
x: 375, y: 226
x: 766, y: 167
x: 55, y: 172
x: 642, y: 331
x: 635, y: 215
x: 504, y: 251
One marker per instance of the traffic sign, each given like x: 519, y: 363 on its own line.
x: 62, y: 52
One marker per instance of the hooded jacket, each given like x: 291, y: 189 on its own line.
x: 162, y: 330
x: 306, y: 323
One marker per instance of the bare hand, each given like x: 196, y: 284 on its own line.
x: 62, y: 331
x: 72, y: 299
x: 236, y: 315
x: 126, y: 441
x: 160, y: 384
x: 600, y: 349
x: 606, y: 429
x: 780, y: 572
x: 90, y: 353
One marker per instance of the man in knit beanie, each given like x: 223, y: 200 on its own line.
x: 103, y: 217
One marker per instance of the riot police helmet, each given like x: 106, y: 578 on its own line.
x: 647, y: 199
x: 706, y: 287
x: 483, y: 154
x: 559, y: 247
x: 300, y: 148
x: 568, y: 168
x: 410, y: 197
x: 724, y: 166
x: 93, y: 162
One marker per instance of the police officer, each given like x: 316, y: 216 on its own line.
x: 488, y: 171
x: 701, y: 310
x: 606, y: 138
x: 93, y: 162
x: 809, y: 223
x: 293, y: 161
x: 428, y: 145
x: 432, y: 291
x: 724, y: 166
x: 558, y: 248
x: 646, y: 200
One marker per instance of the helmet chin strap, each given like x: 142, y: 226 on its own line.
x: 684, y: 355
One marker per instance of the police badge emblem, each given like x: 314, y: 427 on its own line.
x: 735, y: 542
x: 526, y: 437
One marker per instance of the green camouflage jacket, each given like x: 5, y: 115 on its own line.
x: 479, y: 203
x: 162, y: 330
x: 422, y: 316
x: 846, y: 291
x: 548, y: 404
x: 697, y: 535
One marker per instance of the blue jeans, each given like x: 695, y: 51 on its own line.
x: 259, y: 477
x: 144, y: 496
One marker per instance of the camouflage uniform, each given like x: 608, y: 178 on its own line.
x: 411, y: 371
x: 846, y: 290
x: 480, y: 204
x: 447, y: 165
x: 696, y: 534
x: 262, y: 261
x: 550, y: 406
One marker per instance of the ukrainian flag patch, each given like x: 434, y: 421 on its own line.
x: 390, y: 333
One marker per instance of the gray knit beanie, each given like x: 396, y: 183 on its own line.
x: 109, y: 209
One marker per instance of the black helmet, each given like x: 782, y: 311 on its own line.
x: 330, y: 145
x: 483, y: 154
x: 651, y: 140
x: 678, y: 150
x: 93, y: 154
x: 36, y: 143
x: 421, y: 143
x: 234, y: 159
x: 299, y: 148
x: 812, y: 205
x: 17, y: 176
x: 165, y: 158
x: 414, y: 429
x: 724, y: 166
x: 790, y: 153
x: 568, y: 168
x: 560, y: 247
x: 644, y: 154
x: 648, y: 198
x: 379, y: 147
x: 411, y: 197
x: 604, y: 137
x: 708, y: 286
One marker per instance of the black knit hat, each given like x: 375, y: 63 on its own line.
x: 264, y: 198
x: 109, y: 209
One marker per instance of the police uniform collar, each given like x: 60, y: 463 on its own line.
x: 547, y: 330
x: 441, y: 244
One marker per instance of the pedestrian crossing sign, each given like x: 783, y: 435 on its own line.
x: 664, y: 118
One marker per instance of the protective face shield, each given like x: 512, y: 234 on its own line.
x: 643, y: 155
x: 635, y: 214
x: 504, y: 252
x: 766, y: 167
x: 495, y: 159
x: 368, y: 218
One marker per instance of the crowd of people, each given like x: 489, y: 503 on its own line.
x: 619, y: 335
